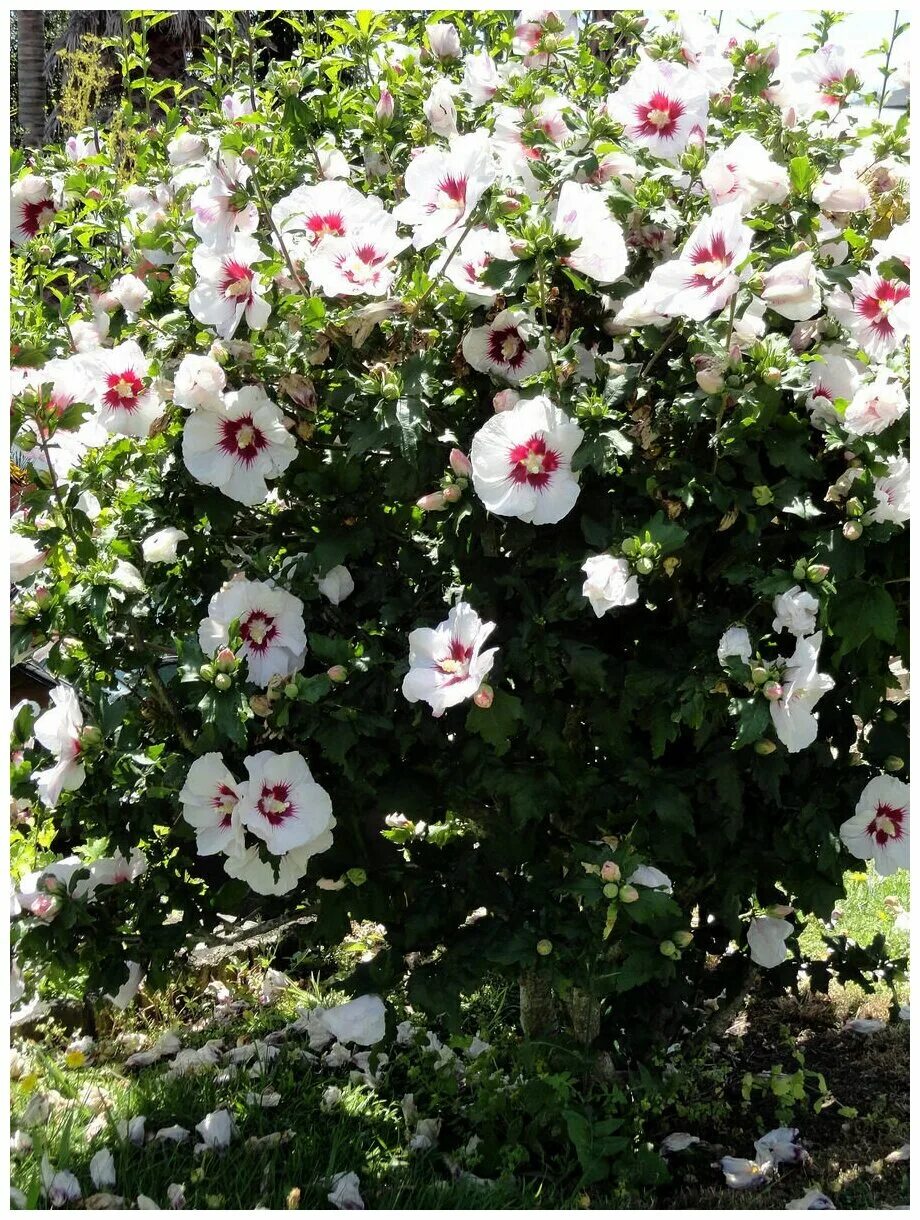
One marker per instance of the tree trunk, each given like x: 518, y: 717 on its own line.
x: 30, y: 26
x: 538, y: 1005
x: 584, y: 1015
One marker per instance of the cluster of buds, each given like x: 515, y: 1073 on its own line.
x: 643, y: 552
x: 383, y: 381
x: 220, y: 671
x: 816, y: 573
x: 453, y: 485
x: 672, y: 948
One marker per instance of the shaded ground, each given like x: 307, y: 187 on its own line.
x: 783, y: 1061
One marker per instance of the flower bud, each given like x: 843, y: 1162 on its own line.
x: 290, y: 690
x: 800, y: 569
x: 336, y: 673
x: 762, y: 495
x: 504, y: 400
x: 611, y: 889
x: 644, y: 565
x: 854, y: 507
x: 223, y: 682
x: 709, y: 380
x: 225, y: 661
x: 94, y: 194
x: 452, y: 493
x: 764, y: 747
x: 250, y: 155
x: 667, y: 948
x: 610, y: 870
x: 629, y: 893
x: 773, y: 691
x: 434, y: 502
x: 460, y: 464
x: 509, y: 204
x: 817, y: 572
x: 683, y: 939
x: 206, y: 672
x: 91, y: 736
x: 893, y: 763
x: 759, y: 675
x: 773, y: 375
x: 484, y: 696
x: 385, y: 107
x: 852, y: 530
x: 544, y: 947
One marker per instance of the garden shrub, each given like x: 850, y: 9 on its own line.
x: 463, y: 487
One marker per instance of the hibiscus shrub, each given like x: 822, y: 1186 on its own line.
x: 463, y: 487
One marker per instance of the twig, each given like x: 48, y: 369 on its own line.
x: 277, y: 232
x: 168, y: 706
x: 659, y: 350
x: 546, y: 334
x: 884, y: 89
x: 437, y: 279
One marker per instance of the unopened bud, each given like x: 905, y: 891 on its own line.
x: 667, y: 948
x: 683, y: 939
x: 611, y: 889
x: 434, y: 502
x: 452, y: 493
x: 544, y: 947
x: 225, y: 661
x: 509, y: 204
x: 610, y: 870
x: 206, y: 672
x: 852, y: 530
x: 762, y: 495
x: 94, y: 194
x: 249, y: 155
x: 773, y: 376
x: 644, y: 565
x: 504, y: 400
x: 484, y: 696
x: 91, y: 736
x: 854, y: 507
x: 629, y: 893
x: 893, y: 763
x: 385, y: 107
x: 759, y: 675
x: 773, y: 691
x: 709, y: 381
x: 765, y: 747
x: 460, y: 464
x: 290, y: 690
x: 223, y: 682
x: 336, y: 673
x: 817, y: 572
x: 800, y: 569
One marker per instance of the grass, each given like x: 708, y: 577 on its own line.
x: 784, y: 1061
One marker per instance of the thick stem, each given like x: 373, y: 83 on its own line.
x: 538, y: 1007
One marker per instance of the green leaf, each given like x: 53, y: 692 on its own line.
x: 497, y: 723
x: 669, y: 536
x: 861, y: 610
x: 801, y: 174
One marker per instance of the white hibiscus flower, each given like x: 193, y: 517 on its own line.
x: 229, y: 287
x: 240, y: 446
x: 59, y: 730
x: 501, y: 348
x: 282, y: 803
x: 270, y: 624
x: 522, y: 462
x: 210, y: 803
x: 610, y: 583
x: 879, y: 830
x: 443, y: 187
x: 446, y: 663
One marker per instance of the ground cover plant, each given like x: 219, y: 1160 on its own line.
x: 462, y: 491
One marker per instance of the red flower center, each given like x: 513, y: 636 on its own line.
x: 659, y: 116
x: 224, y: 801
x: 237, y: 281
x: 274, y: 803
x: 242, y: 439
x: 507, y: 347
x: 710, y: 262
x: 325, y: 224
x: 35, y: 215
x: 888, y: 823
x: 456, y: 663
x: 875, y: 305
x: 533, y: 463
x: 258, y: 630
x: 124, y: 391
